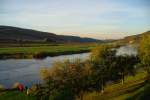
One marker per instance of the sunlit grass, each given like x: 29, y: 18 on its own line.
x: 10, y: 50
x: 30, y: 52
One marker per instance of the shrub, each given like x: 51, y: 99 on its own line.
x: 15, y: 85
x: 2, y: 87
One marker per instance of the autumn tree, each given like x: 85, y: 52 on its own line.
x: 125, y: 65
x: 144, y: 53
x: 100, y: 57
x: 68, y: 75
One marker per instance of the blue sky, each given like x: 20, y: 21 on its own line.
x: 100, y: 19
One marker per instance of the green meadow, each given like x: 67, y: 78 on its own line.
x: 43, y: 50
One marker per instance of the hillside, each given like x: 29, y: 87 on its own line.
x: 134, y: 38
x: 15, y: 34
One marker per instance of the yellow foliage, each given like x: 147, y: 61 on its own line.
x: 45, y: 73
x: 144, y: 52
x: 15, y: 85
x: 99, y: 52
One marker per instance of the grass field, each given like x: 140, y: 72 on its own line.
x: 134, y: 88
x: 43, y: 50
x: 15, y: 95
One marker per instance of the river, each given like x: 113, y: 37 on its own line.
x: 27, y: 71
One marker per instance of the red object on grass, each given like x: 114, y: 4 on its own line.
x: 21, y: 87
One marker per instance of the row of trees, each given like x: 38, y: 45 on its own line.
x: 68, y: 80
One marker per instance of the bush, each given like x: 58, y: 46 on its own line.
x: 65, y: 94
x: 72, y: 76
x: 2, y: 87
x: 15, y: 85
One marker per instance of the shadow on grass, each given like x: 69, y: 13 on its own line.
x: 143, y: 94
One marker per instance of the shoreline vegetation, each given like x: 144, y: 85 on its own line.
x: 114, y: 91
x: 30, y: 51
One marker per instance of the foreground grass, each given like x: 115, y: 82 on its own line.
x: 43, y: 51
x: 132, y: 86
x: 15, y: 95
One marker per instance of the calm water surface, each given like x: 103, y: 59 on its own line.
x: 127, y: 50
x: 26, y: 71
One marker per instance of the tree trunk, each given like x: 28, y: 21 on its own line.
x: 81, y: 96
x: 102, y: 86
x: 122, y: 78
x: 102, y: 91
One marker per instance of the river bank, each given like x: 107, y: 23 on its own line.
x: 39, y: 55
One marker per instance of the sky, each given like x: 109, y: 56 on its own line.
x: 100, y: 19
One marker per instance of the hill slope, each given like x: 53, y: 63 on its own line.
x: 14, y: 34
x: 134, y: 38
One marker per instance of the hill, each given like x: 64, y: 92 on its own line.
x: 15, y: 34
x: 134, y: 38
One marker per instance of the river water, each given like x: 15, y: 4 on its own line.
x: 27, y: 71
